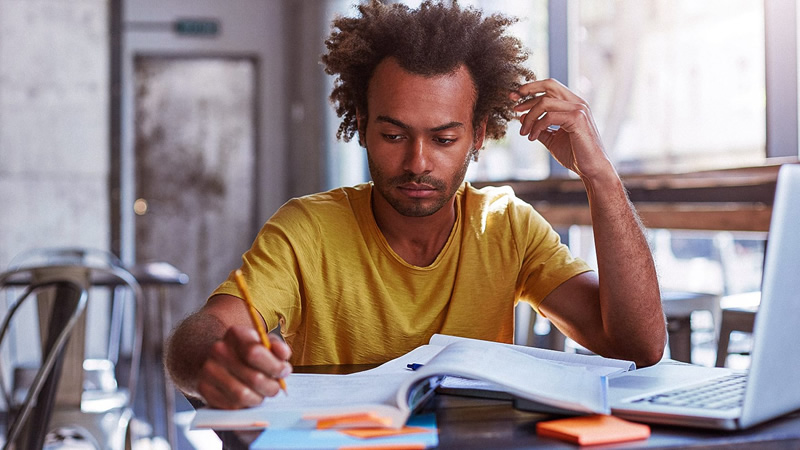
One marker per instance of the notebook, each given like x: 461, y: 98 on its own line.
x: 659, y: 394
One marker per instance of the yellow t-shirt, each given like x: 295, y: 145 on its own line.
x: 321, y: 268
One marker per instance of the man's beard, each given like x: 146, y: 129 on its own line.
x: 418, y: 207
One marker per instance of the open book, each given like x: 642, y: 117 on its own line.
x: 482, y: 388
x: 387, y: 395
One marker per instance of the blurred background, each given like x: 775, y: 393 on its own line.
x: 170, y: 130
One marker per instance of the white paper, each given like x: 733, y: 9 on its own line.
x: 595, y: 363
x: 385, y: 389
x: 420, y: 355
x: 521, y: 375
x: 308, y: 393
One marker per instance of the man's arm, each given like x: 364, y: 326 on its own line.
x: 216, y: 355
x: 616, y: 313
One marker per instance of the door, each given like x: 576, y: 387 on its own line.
x: 202, y: 155
x: 195, y: 151
x: 203, y: 135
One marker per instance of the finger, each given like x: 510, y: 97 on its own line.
x: 252, y: 352
x: 214, y: 398
x: 540, y: 108
x: 550, y: 87
x: 279, y: 348
x: 527, y: 103
x: 260, y: 367
x: 221, y: 383
x: 222, y: 397
x: 550, y: 124
x: 264, y: 370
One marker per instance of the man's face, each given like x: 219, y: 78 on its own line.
x: 418, y: 136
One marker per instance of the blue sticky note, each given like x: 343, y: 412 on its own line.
x: 318, y: 439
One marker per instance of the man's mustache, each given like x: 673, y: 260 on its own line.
x: 419, y: 179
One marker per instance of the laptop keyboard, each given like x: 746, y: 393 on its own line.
x: 720, y: 393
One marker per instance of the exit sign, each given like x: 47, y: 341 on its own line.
x: 197, y: 27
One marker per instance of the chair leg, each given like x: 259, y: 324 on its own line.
x: 722, y: 345
x: 732, y: 320
x: 679, y: 330
x: 44, y: 402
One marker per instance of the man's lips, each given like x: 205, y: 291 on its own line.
x: 417, y: 190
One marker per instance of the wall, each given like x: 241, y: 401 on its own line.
x: 53, y: 125
x: 53, y: 134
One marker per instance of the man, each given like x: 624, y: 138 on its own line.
x: 367, y: 273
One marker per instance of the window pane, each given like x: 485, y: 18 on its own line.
x: 514, y: 157
x: 674, y: 85
x: 346, y: 162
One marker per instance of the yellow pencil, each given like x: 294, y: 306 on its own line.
x: 254, y: 316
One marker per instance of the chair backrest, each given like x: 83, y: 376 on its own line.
x: 92, y: 268
x: 69, y: 297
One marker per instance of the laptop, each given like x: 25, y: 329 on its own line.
x: 664, y: 393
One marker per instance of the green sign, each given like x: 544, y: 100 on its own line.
x: 202, y: 27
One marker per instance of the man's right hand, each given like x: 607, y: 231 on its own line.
x: 217, y: 356
x: 239, y: 371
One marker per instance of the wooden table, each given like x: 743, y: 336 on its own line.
x: 482, y: 424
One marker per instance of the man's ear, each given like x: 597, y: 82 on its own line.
x: 480, y: 134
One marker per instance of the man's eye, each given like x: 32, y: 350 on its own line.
x: 444, y: 141
x: 392, y: 137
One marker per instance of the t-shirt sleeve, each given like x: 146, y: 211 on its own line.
x: 271, y: 269
x: 546, y: 261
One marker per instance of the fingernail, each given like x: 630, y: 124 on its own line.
x: 285, y: 372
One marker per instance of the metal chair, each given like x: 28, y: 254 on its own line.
x: 90, y: 399
x: 33, y: 413
x: 738, y: 314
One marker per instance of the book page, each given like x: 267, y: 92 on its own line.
x: 504, y: 367
x: 524, y: 376
x: 310, y: 393
x: 419, y: 355
x: 594, y: 363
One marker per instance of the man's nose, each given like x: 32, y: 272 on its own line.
x: 417, y: 157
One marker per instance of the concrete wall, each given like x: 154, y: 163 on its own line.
x: 54, y: 154
x: 53, y: 125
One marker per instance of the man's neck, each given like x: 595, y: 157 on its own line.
x: 418, y: 240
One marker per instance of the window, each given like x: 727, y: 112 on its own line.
x: 346, y: 162
x: 514, y: 157
x: 674, y: 85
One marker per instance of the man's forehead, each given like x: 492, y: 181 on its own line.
x: 393, y: 68
x: 392, y: 86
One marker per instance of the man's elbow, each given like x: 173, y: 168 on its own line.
x: 652, y: 350
x: 650, y: 356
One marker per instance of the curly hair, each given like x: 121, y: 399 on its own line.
x: 432, y: 40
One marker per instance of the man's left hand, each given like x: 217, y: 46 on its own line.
x: 562, y: 121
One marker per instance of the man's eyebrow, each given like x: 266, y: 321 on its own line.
x: 406, y: 126
x: 392, y: 121
x: 448, y: 126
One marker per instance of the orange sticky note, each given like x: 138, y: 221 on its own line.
x: 355, y: 420
x: 367, y: 433
x: 593, y: 430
